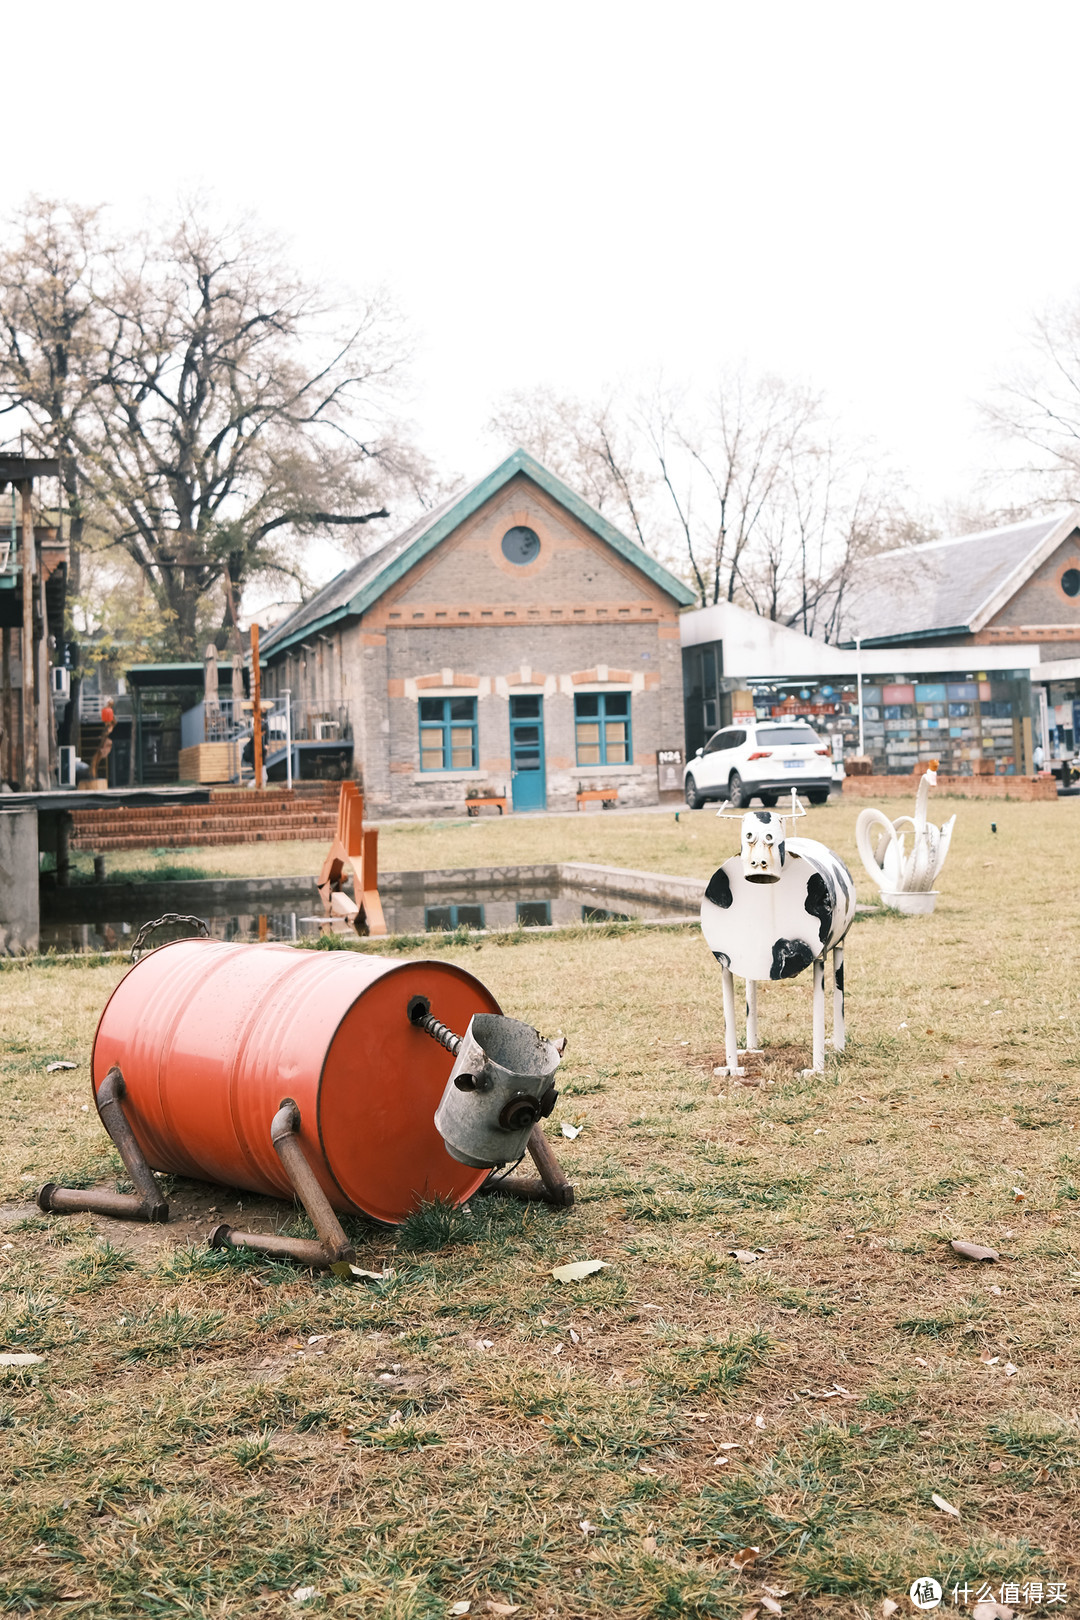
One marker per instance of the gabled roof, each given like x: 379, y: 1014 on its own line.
x: 354, y: 590
x: 950, y: 587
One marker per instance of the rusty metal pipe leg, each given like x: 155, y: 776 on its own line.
x: 110, y: 1101
x: 56, y: 1200
x: 558, y: 1184
x: 147, y: 1203
x: 553, y: 1185
x: 276, y: 1247
x: 284, y: 1134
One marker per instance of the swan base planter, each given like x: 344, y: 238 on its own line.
x: 910, y: 902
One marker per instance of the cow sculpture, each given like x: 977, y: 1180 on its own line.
x: 774, y: 909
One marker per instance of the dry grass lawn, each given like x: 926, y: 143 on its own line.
x: 209, y: 1433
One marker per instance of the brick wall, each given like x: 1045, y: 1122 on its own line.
x: 959, y: 787
x: 1041, y: 604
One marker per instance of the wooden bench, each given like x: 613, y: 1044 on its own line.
x: 607, y: 796
x: 473, y: 805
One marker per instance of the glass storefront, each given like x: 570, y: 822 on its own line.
x: 970, y: 724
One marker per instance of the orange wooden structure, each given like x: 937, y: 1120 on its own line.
x: 354, y: 856
x: 210, y: 1037
x: 606, y: 796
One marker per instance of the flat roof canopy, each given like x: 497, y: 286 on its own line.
x: 14, y: 469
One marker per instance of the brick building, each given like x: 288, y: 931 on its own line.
x: 511, y: 640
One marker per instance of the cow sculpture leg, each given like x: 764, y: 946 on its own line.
x: 731, y: 1038
x: 751, y: 1016
x: 817, y: 1065
x: 838, y: 998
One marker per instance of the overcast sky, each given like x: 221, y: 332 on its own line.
x: 871, y: 197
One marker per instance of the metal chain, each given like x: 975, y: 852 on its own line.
x: 202, y: 931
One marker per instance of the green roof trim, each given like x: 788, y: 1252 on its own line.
x: 473, y: 500
x: 470, y: 502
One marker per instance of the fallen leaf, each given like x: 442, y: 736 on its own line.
x: 750, y: 1614
x: 501, y: 1608
x: 776, y: 1591
x: 460, y: 1608
x: 973, y: 1251
x: 771, y: 1604
x: 988, y: 1360
x: 345, y: 1268
x: 577, y: 1269
x: 744, y: 1557
x: 990, y: 1609
x: 23, y: 1358
x: 303, y: 1594
x: 745, y: 1255
x: 570, y: 1131
x: 946, y: 1507
x: 51, y: 1068
x: 720, y: 1462
x: 759, y: 1421
x: 888, y: 1606
x: 649, y: 1544
x: 574, y: 1337
x: 585, y: 1527
x: 994, y: 1289
x: 1010, y: 1370
x: 996, y: 1467
x: 730, y: 1445
x: 920, y: 1362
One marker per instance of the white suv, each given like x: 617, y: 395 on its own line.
x: 759, y: 761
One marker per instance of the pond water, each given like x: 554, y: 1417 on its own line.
x: 409, y: 910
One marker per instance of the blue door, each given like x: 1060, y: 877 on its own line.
x: 527, y: 753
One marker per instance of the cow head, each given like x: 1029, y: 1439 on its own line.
x: 763, y: 848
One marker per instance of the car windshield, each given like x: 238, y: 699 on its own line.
x: 784, y: 736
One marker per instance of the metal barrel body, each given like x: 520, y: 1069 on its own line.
x: 211, y: 1037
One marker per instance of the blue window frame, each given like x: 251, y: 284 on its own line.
x: 602, y: 728
x: 447, y: 734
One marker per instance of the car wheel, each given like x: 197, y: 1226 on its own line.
x: 694, y: 799
x: 768, y: 800
x: 737, y: 795
x: 818, y: 795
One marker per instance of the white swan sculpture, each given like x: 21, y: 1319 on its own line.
x: 905, y: 877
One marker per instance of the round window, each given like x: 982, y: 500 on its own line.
x: 520, y: 545
x: 1070, y: 581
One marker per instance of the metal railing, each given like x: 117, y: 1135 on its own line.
x: 225, y: 719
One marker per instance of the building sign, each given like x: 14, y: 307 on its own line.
x: 669, y: 765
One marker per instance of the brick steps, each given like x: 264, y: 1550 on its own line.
x: 195, y: 840
x: 237, y: 817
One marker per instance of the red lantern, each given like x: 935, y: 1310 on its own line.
x: 107, y: 715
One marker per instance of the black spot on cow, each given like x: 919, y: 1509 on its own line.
x: 841, y: 874
x: 838, y: 973
x: 724, y: 961
x: 789, y: 957
x: 719, y: 890
x: 819, y: 904
x: 764, y: 815
x: 782, y: 851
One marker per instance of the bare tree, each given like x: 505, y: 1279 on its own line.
x: 47, y: 340
x: 723, y: 465
x: 586, y: 443
x: 214, y: 409
x: 1037, y: 411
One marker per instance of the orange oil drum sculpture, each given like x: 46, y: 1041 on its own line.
x: 317, y: 1074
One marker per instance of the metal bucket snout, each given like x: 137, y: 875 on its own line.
x: 500, y: 1085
